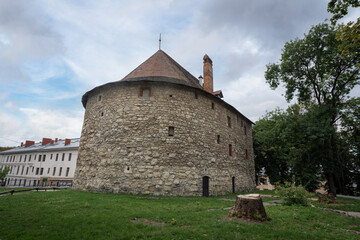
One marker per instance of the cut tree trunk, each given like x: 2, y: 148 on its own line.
x: 249, y: 206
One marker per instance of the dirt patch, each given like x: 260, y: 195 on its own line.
x: 352, y: 214
x: 148, y: 222
x: 240, y: 220
x: 186, y: 226
x: 352, y: 231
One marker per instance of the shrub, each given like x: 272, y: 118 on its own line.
x: 292, y: 194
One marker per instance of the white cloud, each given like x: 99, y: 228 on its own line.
x: 37, y: 123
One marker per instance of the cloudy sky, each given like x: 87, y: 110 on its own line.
x: 52, y: 52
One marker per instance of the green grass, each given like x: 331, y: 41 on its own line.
x: 345, y: 204
x: 69, y: 214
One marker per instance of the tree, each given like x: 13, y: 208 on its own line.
x: 3, y: 173
x: 340, y: 8
x: 348, y: 34
x: 313, y: 70
x: 285, y: 146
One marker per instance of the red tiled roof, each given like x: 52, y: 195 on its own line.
x: 162, y: 65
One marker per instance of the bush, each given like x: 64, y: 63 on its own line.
x: 292, y: 194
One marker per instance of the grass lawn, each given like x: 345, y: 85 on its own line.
x: 69, y: 214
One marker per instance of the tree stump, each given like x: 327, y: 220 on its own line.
x: 249, y: 206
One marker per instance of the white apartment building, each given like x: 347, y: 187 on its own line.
x: 46, y: 163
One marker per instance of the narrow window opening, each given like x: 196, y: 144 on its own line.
x: 170, y: 96
x: 230, y: 150
x: 218, y: 139
x: 99, y: 98
x: 57, y: 157
x: 41, y: 171
x: 245, y: 132
x: 60, y: 170
x: 196, y: 96
x: 54, y: 171
x: 69, y: 156
x: 246, y: 154
x: 229, y: 121
x: 128, y: 168
x: 212, y: 106
x: 44, y: 157
x: 48, y: 171
x: 67, y: 171
x: 63, y: 157
x: 101, y: 114
x: 171, y: 131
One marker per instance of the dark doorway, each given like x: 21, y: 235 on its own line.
x: 233, y: 184
x: 206, y: 186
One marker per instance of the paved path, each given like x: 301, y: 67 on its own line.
x: 345, y: 196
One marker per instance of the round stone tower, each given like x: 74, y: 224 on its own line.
x: 158, y: 131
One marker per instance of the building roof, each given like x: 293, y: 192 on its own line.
x: 38, y: 147
x: 162, y: 65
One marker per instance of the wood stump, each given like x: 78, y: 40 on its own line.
x: 249, y: 206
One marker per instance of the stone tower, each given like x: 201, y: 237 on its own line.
x: 158, y: 131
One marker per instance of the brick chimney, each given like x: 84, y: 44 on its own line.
x: 208, y: 74
x: 46, y: 141
x: 29, y: 143
x: 56, y: 139
x: 67, y: 141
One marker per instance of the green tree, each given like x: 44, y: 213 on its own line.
x: 3, y: 173
x: 348, y: 34
x: 283, y: 146
x: 313, y: 70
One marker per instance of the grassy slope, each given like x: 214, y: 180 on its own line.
x: 71, y: 214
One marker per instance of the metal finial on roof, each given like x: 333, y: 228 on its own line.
x: 160, y: 42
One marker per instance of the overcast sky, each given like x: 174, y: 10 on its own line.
x: 52, y: 52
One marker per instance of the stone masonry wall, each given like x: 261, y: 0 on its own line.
x: 125, y: 146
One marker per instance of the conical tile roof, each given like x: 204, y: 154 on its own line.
x: 161, y: 66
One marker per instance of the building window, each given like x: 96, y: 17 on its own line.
x: 27, y: 170
x: 41, y: 171
x: 17, y: 172
x: 212, y: 106
x: 54, y: 171
x: 99, y: 98
x: 171, y: 131
x: 44, y: 157
x: 60, y: 170
x: 29, y: 158
x: 20, y: 158
x: 48, y: 171
x: 39, y: 158
x: 57, y: 157
x: 229, y: 121
x: 196, y: 96
x: 170, y: 96
x: 69, y: 156
x: 245, y: 133
x: 63, y: 157
x: 246, y: 154
x: 67, y: 171
x: 144, y: 92
x: 51, y: 157
x: 37, y: 171
x: 101, y: 114
x: 22, y: 171
x: 25, y: 158
x: 218, y: 139
x: 230, y: 150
